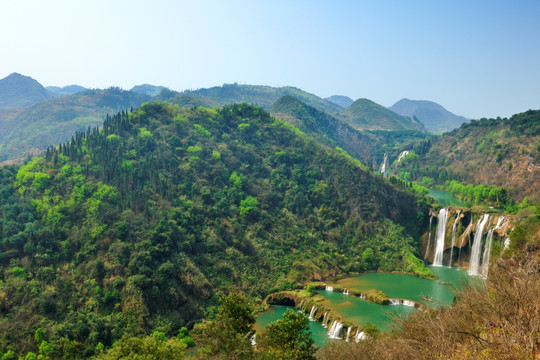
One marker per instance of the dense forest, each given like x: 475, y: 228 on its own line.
x: 136, y: 228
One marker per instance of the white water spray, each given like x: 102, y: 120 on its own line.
x: 454, y: 228
x: 439, y: 237
x: 476, y: 251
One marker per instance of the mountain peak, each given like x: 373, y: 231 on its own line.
x: 18, y: 90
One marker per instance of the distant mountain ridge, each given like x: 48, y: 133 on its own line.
x: 366, y: 114
x: 147, y: 89
x: 343, y: 101
x: 434, y: 117
x: 17, y: 90
x: 66, y: 90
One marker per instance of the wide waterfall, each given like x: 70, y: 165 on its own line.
x: 439, y: 237
x: 454, y: 228
x: 484, y: 268
x: 474, y: 263
x: 335, y: 330
x: 329, y: 288
x: 312, y: 313
x: 426, y: 254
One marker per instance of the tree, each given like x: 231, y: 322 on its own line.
x: 288, y: 338
x: 229, y: 335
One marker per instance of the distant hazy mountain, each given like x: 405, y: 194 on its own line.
x: 366, y: 114
x: 263, y: 96
x: 148, y: 89
x: 17, y: 90
x: 25, y: 131
x: 434, y: 117
x: 343, y: 101
x: 66, y: 90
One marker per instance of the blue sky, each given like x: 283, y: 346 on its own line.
x: 476, y: 58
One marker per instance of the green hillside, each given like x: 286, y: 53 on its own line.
x: 366, y: 114
x: 434, y: 117
x: 498, y: 152
x: 17, y: 90
x: 138, y: 226
x: 29, y: 130
x: 147, y: 89
x: 263, y: 96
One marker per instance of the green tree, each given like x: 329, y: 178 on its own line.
x: 229, y: 335
x: 288, y: 338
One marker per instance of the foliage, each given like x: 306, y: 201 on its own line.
x: 288, y: 338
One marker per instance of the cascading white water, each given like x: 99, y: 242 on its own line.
x: 345, y: 292
x: 312, y: 313
x: 476, y: 251
x: 348, y: 333
x: 454, y: 228
x: 402, y: 155
x: 426, y: 254
x: 409, y: 303
x: 325, y: 319
x: 384, y: 165
x: 335, y: 330
x: 360, y: 335
x: 329, y: 288
x: 439, y: 237
x: 484, y: 268
x: 253, y: 340
x: 466, y: 232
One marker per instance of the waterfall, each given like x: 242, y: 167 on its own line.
x: 301, y: 307
x: 454, y: 228
x: 487, y: 249
x: 409, y: 303
x: 467, y: 231
x: 254, y: 340
x: 345, y: 292
x: 325, y: 319
x: 348, y: 333
x: 329, y: 288
x: 360, y: 335
x: 402, y: 155
x: 429, y: 236
x: 312, y: 313
x: 402, y: 302
x: 477, y: 245
x: 395, y: 302
x: 335, y: 330
x: 439, y: 237
x: 384, y: 165
x: 363, y: 296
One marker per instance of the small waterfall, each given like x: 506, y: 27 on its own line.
x: 395, y: 302
x: 348, y: 333
x: 345, y: 292
x: 506, y: 243
x: 484, y: 269
x: 402, y: 302
x: 335, y: 330
x: 301, y: 307
x: 429, y: 236
x: 329, y: 288
x: 325, y: 319
x: 253, y: 340
x: 409, y: 303
x: 402, y: 155
x: 439, y: 237
x: 384, y: 165
x: 360, y: 335
x: 477, y: 245
x: 454, y: 228
x: 363, y: 296
x: 312, y: 313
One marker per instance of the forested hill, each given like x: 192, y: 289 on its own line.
x: 325, y: 128
x: 26, y: 131
x: 366, y: 114
x: 135, y: 227
x: 498, y: 152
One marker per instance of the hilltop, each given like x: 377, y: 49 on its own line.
x: 17, y: 90
x: 140, y: 225
x: 65, y: 90
x: 342, y: 101
x: 147, y: 89
x: 366, y: 114
x: 434, y: 117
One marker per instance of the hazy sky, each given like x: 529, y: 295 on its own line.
x: 476, y: 58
